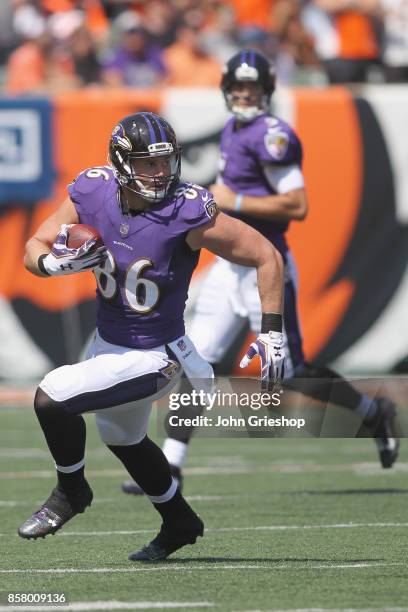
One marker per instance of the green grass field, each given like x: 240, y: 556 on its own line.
x: 290, y: 524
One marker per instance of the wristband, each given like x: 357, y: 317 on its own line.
x: 40, y: 265
x: 238, y: 202
x: 271, y: 321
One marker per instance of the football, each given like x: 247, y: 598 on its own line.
x: 80, y: 233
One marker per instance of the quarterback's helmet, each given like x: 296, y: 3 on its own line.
x: 248, y: 66
x: 140, y: 136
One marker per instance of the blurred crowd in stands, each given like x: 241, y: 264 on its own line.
x: 59, y: 45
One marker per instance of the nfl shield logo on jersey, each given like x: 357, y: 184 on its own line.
x: 124, y: 229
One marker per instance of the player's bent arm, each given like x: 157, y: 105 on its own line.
x: 288, y: 206
x: 238, y: 242
x: 43, y: 239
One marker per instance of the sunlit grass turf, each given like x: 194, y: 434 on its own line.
x: 300, y: 493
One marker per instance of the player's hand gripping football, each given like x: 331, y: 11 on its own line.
x: 67, y: 260
x: 270, y: 349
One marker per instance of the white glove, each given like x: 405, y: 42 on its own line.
x: 64, y: 260
x: 269, y: 347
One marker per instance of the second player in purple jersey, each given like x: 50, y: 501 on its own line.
x: 245, y: 154
x: 260, y: 181
x: 143, y: 283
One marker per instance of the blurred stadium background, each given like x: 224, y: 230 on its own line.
x: 69, y: 69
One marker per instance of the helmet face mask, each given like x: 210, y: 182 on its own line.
x: 145, y: 156
x: 149, y: 178
x: 247, y: 100
x: 248, y: 67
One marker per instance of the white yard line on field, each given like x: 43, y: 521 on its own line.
x: 13, y: 503
x: 332, y: 526
x: 170, y: 567
x: 250, y: 528
x: 365, y: 468
x: 23, y: 453
x: 231, y: 529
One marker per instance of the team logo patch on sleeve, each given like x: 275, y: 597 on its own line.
x: 211, y: 209
x: 276, y: 144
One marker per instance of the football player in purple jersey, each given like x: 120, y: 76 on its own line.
x: 153, y: 227
x: 260, y: 181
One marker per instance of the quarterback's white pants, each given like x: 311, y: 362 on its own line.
x: 120, y: 384
x: 228, y: 297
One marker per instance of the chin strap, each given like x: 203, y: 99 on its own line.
x: 142, y: 192
x: 246, y: 114
x: 124, y: 204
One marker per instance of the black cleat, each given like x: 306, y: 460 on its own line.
x: 384, y: 433
x: 132, y: 488
x: 59, y: 508
x: 168, y: 540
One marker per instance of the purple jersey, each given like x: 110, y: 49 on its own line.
x: 143, y: 285
x: 244, y: 152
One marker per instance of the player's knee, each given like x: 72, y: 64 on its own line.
x: 42, y: 401
x: 43, y: 405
